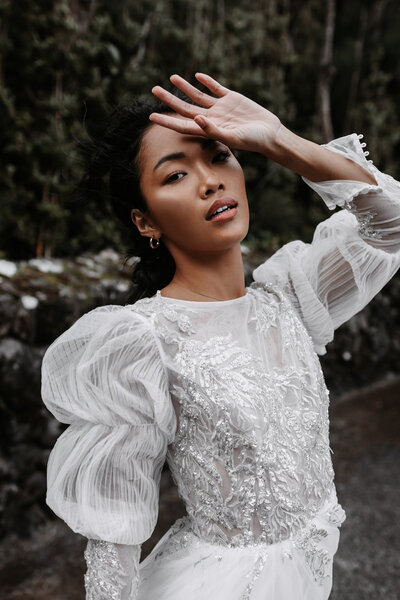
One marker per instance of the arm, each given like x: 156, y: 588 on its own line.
x: 105, y: 377
x: 312, y: 161
x: 112, y: 570
x: 241, y: 123
x: 353, y: 254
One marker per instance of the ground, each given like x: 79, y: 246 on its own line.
x: 365, y: 439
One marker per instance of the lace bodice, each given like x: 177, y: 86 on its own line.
x: 251, y: 454
x: 230, y: 393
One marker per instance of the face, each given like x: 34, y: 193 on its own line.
x: 180, y: 190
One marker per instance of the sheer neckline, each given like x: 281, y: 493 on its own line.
x: 203, y: 302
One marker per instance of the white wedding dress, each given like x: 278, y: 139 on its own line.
x: 230, y: 393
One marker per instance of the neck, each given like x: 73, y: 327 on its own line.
x: 217, y: 275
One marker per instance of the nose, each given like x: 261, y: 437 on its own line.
x: 211, y: 181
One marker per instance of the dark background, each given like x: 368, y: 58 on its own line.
x: 326, y: 68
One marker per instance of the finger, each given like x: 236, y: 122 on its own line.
x: 178, y: 105
x: 193, y: 93
x: 211, y: 130
x: 212, y: 84
x: 176, y: 124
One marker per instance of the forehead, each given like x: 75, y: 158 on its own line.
x: 158, y: 141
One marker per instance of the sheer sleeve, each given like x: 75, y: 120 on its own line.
x: 353, y: 254
x: 105, y: 377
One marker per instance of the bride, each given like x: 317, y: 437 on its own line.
x: 220, y: 380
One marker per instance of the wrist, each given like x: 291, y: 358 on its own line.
x: 312, y: 161
x: 287, y: 148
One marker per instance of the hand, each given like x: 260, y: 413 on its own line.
x: 230, y: 118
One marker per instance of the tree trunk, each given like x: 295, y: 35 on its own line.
x: 326, y: 73
x: 355, y: 78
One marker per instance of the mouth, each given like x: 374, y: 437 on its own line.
x: 222, y: 209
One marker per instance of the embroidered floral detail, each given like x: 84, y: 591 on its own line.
x: 154, y: 308
x: 316, y: 557
x: 241, y: 439
x: 180, y: 537
x: 251, y: 456
x: 364, y: 219
x: 336, y: 515
x: 254, y: 575
x: 267, y: 315
x: 183, y: 322
x: 105, y: 577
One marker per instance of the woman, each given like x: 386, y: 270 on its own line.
x: 221, y: 380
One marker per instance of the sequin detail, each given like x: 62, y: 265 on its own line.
x: 307, y: 540
x: 336, y: 515
x: 365, y: 228
x: 105, y: 577
x: 254, y: 575
x: 317, y: 558
x: 180, y: 537
x: 251, y: 456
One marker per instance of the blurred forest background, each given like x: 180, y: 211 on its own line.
x: 326, y: 68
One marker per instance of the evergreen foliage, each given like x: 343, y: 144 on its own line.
x: 65, y: 65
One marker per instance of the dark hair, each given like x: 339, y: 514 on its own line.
x: 114, y: 153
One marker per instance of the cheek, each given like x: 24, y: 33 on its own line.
x: 238, y: 181
x: 170, y: 208
x: 180, y: 212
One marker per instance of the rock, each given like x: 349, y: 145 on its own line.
x: 8, y: 310
x: 7, y: 268
x: 55, y: 316
x: 25, y: 324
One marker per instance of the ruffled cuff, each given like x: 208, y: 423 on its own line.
x: 341, y: 192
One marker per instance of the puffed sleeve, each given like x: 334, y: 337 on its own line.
x: 106, y: 378
x: 353, y: 253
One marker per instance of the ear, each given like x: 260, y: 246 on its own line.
x: 144, y: 224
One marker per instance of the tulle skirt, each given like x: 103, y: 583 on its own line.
x: 182, y: 566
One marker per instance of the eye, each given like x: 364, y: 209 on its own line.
x: 221, y: 156
x: 174, y: 177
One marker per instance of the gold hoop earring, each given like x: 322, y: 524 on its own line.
x: 157, y: 243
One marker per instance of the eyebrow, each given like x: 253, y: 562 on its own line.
x: 176, y: 155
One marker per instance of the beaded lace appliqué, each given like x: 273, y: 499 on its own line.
x: 249, y: 466
x: 254, y: 575
x: 105, y: 577
x: 365, y: 227
x: 251, y: 456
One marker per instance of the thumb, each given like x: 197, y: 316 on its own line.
x: 209, y: 128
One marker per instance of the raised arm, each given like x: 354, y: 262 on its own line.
x: 353, y: 254
x: 241, y: 123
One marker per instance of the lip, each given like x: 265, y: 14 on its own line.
x: 226, y: 215
x: 218, y: 204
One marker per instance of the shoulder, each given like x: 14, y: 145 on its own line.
x: 108, y: 319
x: 103, y: 332
x: 107, y: 363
